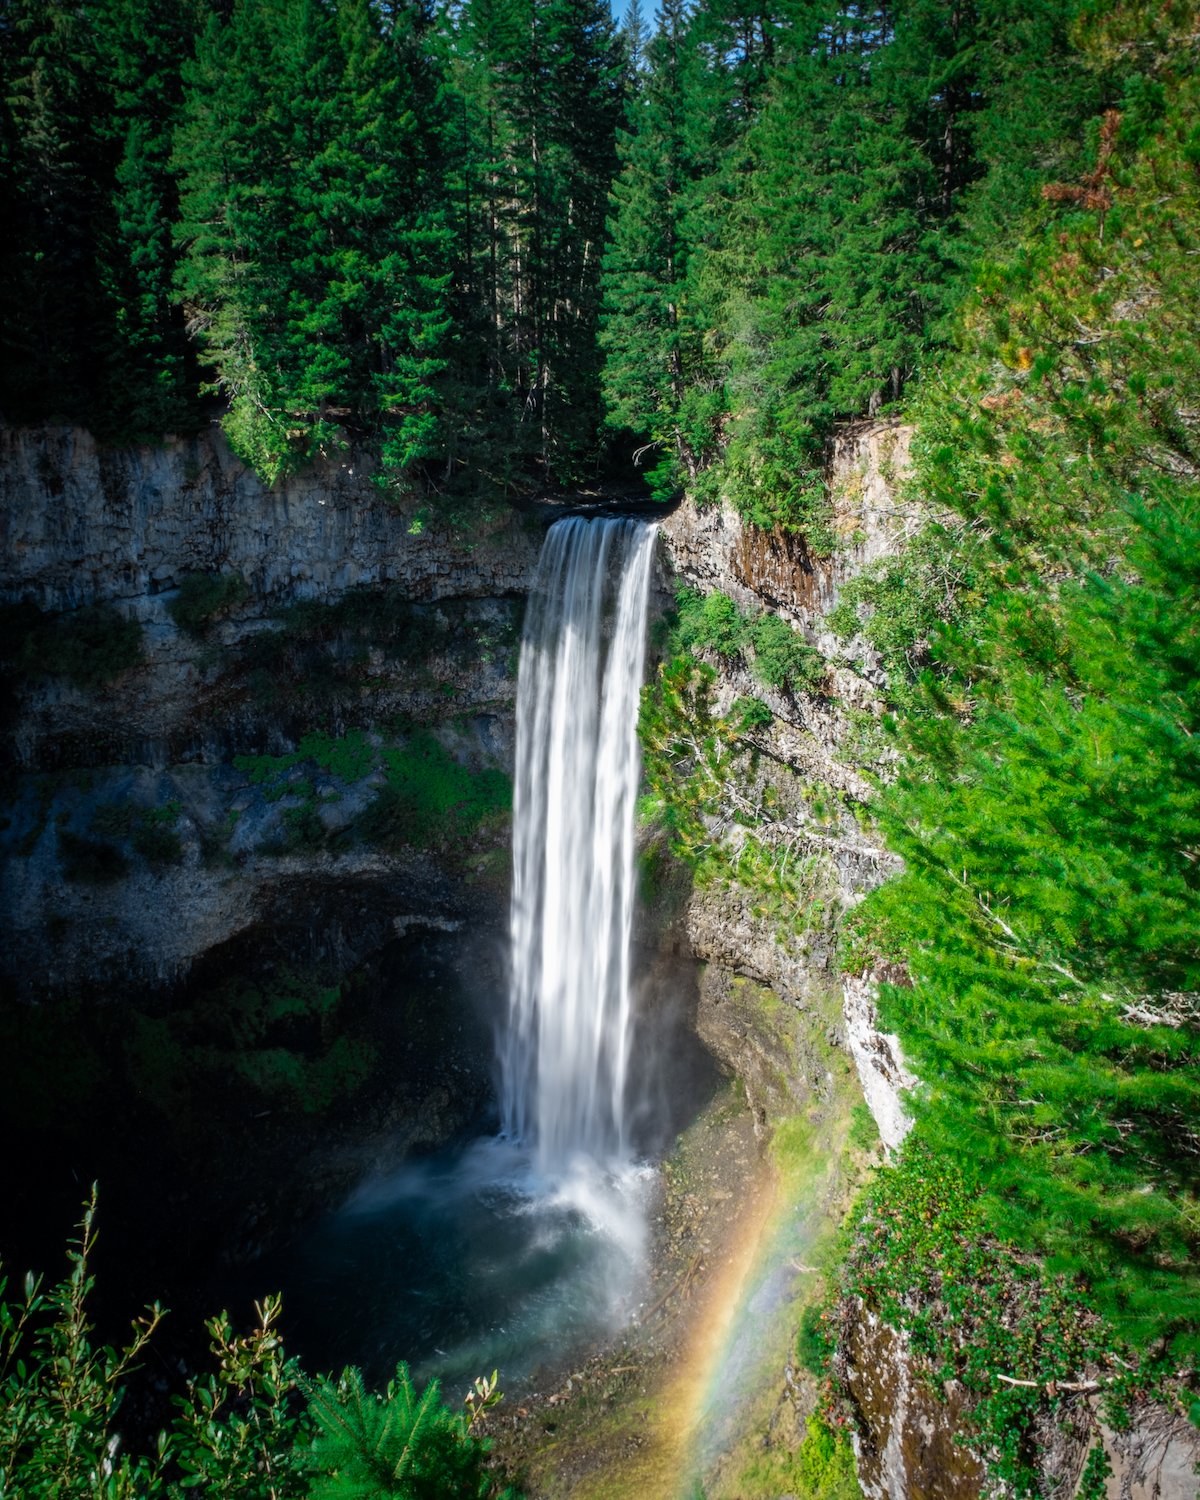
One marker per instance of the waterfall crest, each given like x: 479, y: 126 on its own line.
x: 564, y: 1059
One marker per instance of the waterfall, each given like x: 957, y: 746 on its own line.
x: 564, y: 1058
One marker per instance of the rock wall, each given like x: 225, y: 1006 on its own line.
x: 81, y: 524
x: 714, y: 549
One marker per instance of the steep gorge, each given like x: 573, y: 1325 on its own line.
x: 260, y: 740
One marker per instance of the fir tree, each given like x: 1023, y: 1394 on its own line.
x: 654, y: 383
x: 149, y: 374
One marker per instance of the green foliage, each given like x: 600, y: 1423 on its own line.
x: 902, y: 605
x: 237, y: 1431
x: 90, y: 647
x: 781, y: 658
x: 394, y: 1444
x: 201, y: 597
x: 288, y: 1042
x: 1049, y: 797
x: 241, y: 1428
x: 60, y: 1393
x: 777, y: 655
x: 815, y: 1339
x: 350, y: 757
x: 431, y: 799
x: 826, y: 1464
x: 718, y: 814
x: 975, y: 1308
x: 710, y: 622
x: 750, y: 713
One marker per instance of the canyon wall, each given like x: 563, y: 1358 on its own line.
x: 352, y: 609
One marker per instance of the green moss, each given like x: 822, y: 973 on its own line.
x: 350, y: 757
x: 430, y: 798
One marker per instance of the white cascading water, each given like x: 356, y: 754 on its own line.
x: 564, y: 1058
x: 513, y: 1250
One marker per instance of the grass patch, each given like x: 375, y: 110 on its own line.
x: 430, y: 798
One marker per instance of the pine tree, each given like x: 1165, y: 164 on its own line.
x: 149, y: 375
x: 1047, y: 803
x: 315, y: 238
x: 539, y: 93
x: 654, y: 372
x: 57, y: 168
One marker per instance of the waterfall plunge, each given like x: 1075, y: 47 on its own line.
x: 512, y: 1251
x: 564, y: 1060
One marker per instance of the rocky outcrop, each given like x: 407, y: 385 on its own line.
x: 878, y: 1059
x: 713, y: 548
x: 910, y: 1430
x: 80, y: 522
x: 806, y: 744
x: 906, y: 1439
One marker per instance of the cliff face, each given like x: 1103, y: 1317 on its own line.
x: 350, y: 611
x: 80, y: 522
x: 774, y: 1007
x: 713, y: 549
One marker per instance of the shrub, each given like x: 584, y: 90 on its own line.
x: 90, y: 647
x: 782, y: 658
x: 750, y: 713
x: 201, y: 597
x: 397, y: 1444
x: 240, y: 1430
x: 779, y: 657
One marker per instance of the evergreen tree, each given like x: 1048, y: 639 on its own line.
x: 654, y: 373
x: 315, y: 241
x: 837, y: 264
x: 56, y: 167
x: 1047, y: 804
x: 539, y: 93
x: 149, y: 374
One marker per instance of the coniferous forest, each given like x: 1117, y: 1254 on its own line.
x: 508, y: 243
x: 511, y: 248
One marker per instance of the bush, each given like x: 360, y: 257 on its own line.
x: 242, y: 1430
x: 710, y: 622
x: 201, y: 597
x: 779, y: 657
x: 782, y: 659
x: 750, y: 713
x: 90, y: 647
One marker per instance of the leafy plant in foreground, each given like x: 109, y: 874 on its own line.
x: 399, y: 1444
x: 242, y: 1428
